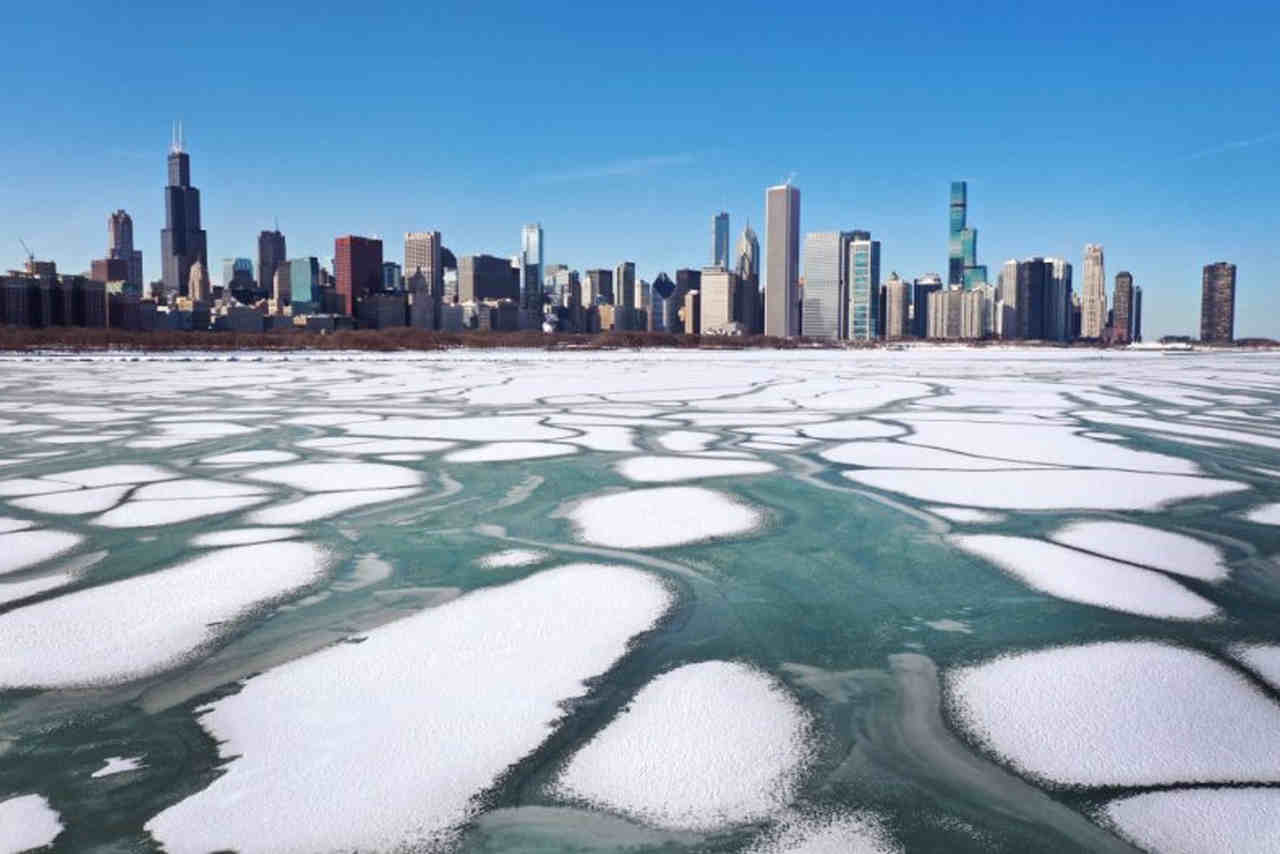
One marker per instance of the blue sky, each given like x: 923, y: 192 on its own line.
x: 1152, y: 128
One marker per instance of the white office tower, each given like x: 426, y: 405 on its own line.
x: 782, y: 262
x: 826, y: 260
x: 1093, y: 298
x: 897, y: 308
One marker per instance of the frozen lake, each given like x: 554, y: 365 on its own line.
x: 962, y: 600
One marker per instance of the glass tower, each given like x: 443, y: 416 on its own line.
x: 531, y: 266
x: 720, y: 241
x: 864, y: 286
x: 826, y: 259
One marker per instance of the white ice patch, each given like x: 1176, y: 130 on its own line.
x: 244, y: 536
x: 27, y: 822
x: 149, y: 514
x: 355, y: 446
x: 665, y: 516
x: 8, y: 524
x: 112, y: 475
x: 671, y: 469
x: 1046, y: 489
x: 75, y: 502
x: 12, y: 591
x: 686, y: 441
x: 512, y: 558
x: 504, y: 451
x: 699, y: 747
x: 1088, y: 579
x: 21, y: 549
x: 335, y: 477
x: 118, y: 765
x: 876, y: 454
x: 949, y: 626
x: 324, y: 505
x: 1133, y: 713
x: 857, y: 833
x: 1176, y: 553
x: 142, y: 625
x: 856, y: 428
x: 247, y: 458
x: 416, y: 772
x: 1200, y: 821
x: 197, y: 430
x: 31, y: 486
x: 188, y: 488
x: 495, y: 428
x: 1267, y: 514
x: 1261, y: 659
x: 609, y: 439
x: 967, y: 515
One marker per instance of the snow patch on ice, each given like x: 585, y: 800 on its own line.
x: 28, y: 822
x: 1176, y: 553
x: 112, y: 475
x: 968, y: 515
x: 246, y: 458
x: 1131, y: 713
x: 504, y: 451
x: 118, y: 765
x: 8, y: 524
x: 1262, y: 659
x: 1088, y: 579
x: 418, y: 770
x: 512, y: 558
x: 856, y: 833
x: 877, y: 454
x: 664, y: 516
x: 324, y: 505
x: 699, y: 747
x: 21, y: 549
x: 149, y: 514
x: 336, y: 477
x: 1200, y: 821
x: 244, y: 536
x: 142, y: 625
x: 1267, y: 514
x: 655, y: 469
x: 949, y: 626
x: 686, y: 441
x: 75, y: 502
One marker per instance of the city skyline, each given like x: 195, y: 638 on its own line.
x: 1126, y: 170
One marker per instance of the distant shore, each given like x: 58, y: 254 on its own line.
x: 16, y: 340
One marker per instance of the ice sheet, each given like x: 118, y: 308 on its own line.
x: 968, y: 515
x: 244, y: 536
x: 8, y: 524
x: 21, y: 549
x: 245, y: 458
x: 520, y: 649
x: 27, y: 822
x: 1125, y: 713
x: 503, y: 451
x: 128, y: 629
x: 513, y: 557
x: 111, y: 475
x: 1200, y: 821
x: 1046, y: 489
x: 699, y: 747
x: 855, y: 833
x: 324, y: 505
x: 664, y: 516
x: 149, y: 514
x: 879, y: 454
x: 339, y: 476
x: 1088, y: 579
x: 1176, y: 553
x: 1262, y: 659
x: 75, y: 502
x: 686, y: 441
x: 1267, y: 514
x: 496, y: 428
x: 672, y: 469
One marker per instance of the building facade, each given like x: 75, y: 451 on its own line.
x: 1093, y: 296
x: 720, y: 241
x: 304, y: 283
x: 1122, y: 308
x: 357, y: 265
x: 182, y: 241
x: 485, y: 277
x: 863, y: 309
x: 826, y: 282
x: 782, y: 263
x: 272, y: 254
x: 531, y: 255
x: 719, y: 299
x: 422, y: 255
x: 897, y: 308
x: 920, y: 290
x: 1218, y: 302
x: 120, y: 246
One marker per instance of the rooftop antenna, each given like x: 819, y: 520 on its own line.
x: 176, y: 142
x: 791, y: 177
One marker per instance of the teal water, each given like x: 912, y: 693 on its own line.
x: 833, y: 595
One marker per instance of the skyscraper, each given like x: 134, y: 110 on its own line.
x: 897, y: 305
x: 720, y: 241
x: 1057, y: 300
x: 304, y: 283
x: 182, y: 241
x: 1034, y: 290
x: 599, y: 288
x: 531, y: 253
x: 422, y: 254
x: 719, y: 298
x: 624, y: 285
x: 920, y: 290
x: 1137, y: 313
x: 826, y: 282
x: 271, y: 254
x: 664, y: 309
x: 1093, y: 297
x: 863, y: 309
x: 962, y: 242
x: 120, y: 246
x: 1218, y: 302
x: 1122, y: 312
x: 782, y: 270
x: 747, y: 266
x: 198, y: 282
x: 357, y: 265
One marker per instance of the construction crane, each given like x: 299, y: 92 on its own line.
x: 31, y: 256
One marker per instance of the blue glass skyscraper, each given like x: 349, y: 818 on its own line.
x: 962, y: 263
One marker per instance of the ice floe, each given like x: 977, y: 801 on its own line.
x: 1088, y: 579
x: 512, y: 558
x: 656, y: 469
x: 857, y: 428
x: 1200, y: 821
x: 1176, y: 553
x: 520, y: 649
x: 189, y: 488
x: 28, y: 822
x: 948, y: 625
x: 128, y: 629
x: 1046, y: 489
x: 1267, y: 514
x: 118, y: 765
x: 495, y: 428
x: 149, y: 514
x: 1125, y: 713
x: 245, y: 458
x: 699, y: 747
x: 968, y: 515
x: 112, y: 475
x: 854, y: 833
x: 1262, y: 659
x: 244, y: 536
x: 503, y: 451
x: 8, y: 524
x: 21, y: 549
x: 664, y: 516
x: 12, y: 591
x: 356, y: 446
x: 338, y: 476
x: 879, y: 454
x: 326, y: 504
x: 74, y: 502
x: 686, y: 441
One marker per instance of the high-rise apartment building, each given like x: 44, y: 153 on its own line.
x: 1034, y: 284
x: 863, y: 308
x: 747, y: 266
x: 782, y: 264
x: 182, y: 241
x: 624, y: 285
x: 531, y: 255
x: 1137, y: 313
x: 1122, y: 308
x: 422, y: 255
x: 920, y: 290
x: 198, y: 282
x: 304, y: 283
x: 282, y: 287
x: 897, y: 305
x: 484, y: 277
x: 1218, y: 302
x: 1057, y: 300
x: 1093, y: 297
x: 719, y: 301
x: 120, y: 246
x: 599, y: 288
x: 962, y: 242
x: 826, y: 282
x: 665, y: 309
x: 720, y: 241
x: 357, y: 265
x: 271, y: 254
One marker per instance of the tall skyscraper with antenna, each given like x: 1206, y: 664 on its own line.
x: 182, y: 241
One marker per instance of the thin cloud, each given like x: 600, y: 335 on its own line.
x: 631, y: 166
x: 1233, y: 146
